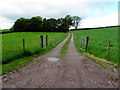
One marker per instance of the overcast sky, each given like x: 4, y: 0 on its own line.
x: 95, y: 13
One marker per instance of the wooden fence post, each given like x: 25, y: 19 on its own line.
x: 46, y: 40
x: 23, y: 45
x: 108, y: 49
x: 41, y: 38
x: 83, y: 43
x: 80, y: 41
x: 87, y: 43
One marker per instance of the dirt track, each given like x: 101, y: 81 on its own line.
x: 72, y: 71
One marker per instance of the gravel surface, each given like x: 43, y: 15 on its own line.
x: 54, y: 71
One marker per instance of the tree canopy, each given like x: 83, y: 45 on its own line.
x: 76, y: 21
x: 39, y: 24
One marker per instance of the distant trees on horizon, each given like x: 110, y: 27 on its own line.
x: 39, y: 24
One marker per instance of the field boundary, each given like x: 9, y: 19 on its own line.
x: 6, y: 32
x: 25, y: 49
x: 110, y: 67
x: 94, y: 28
x: 85, y: 46
x: 103, y: 43
x: 20, y: 62
x: 107, y: 65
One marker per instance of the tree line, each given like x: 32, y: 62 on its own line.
x: 39, y: 24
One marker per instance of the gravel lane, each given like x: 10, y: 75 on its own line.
x: 54, y: 71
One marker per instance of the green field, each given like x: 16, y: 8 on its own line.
x: 12, y: 44
x: 4, y: 30
x: 98, y: 42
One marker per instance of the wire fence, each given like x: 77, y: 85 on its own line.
x: 56, y: 40
x: 83, y: 43
x: 27, y: 47
x: 106, y: 50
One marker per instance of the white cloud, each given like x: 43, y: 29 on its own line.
x: 109, y: 20
x: 11, y: 10
x: 5, y: 23
x: 40, y: 7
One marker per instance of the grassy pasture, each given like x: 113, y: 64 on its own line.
x: 12, y: 44
x: 99, y: 42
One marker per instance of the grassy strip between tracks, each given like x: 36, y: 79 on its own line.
x: 64, y: 48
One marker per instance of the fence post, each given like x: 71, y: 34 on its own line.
x: 108, y: 49
x: 41, y: 38
x: 23, y: 45
x: 81, y: 42
x: 87, y: 42
x: 79, y: 39
x: 46, y: 40
x: 84, y: 44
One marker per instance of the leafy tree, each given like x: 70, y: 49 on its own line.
x: 20, y: 25
x: 38, y: 24
x: 66, y: 23
x: 69, y: 20
x: 44, y: 25
x: 76, y: 21
x: 35, y: 24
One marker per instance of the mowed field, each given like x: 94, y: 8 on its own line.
x: 12, y: 43
x: 98, y: 42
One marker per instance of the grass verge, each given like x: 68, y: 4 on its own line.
x: 18, y: 63
x: 64, y: 48
x: 109, y: 66
x: 98, y: 42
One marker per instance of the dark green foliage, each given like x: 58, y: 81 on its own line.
x: 27, y: 53
x: 38, y: 24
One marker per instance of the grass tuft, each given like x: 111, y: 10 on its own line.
x: 64, y: 48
